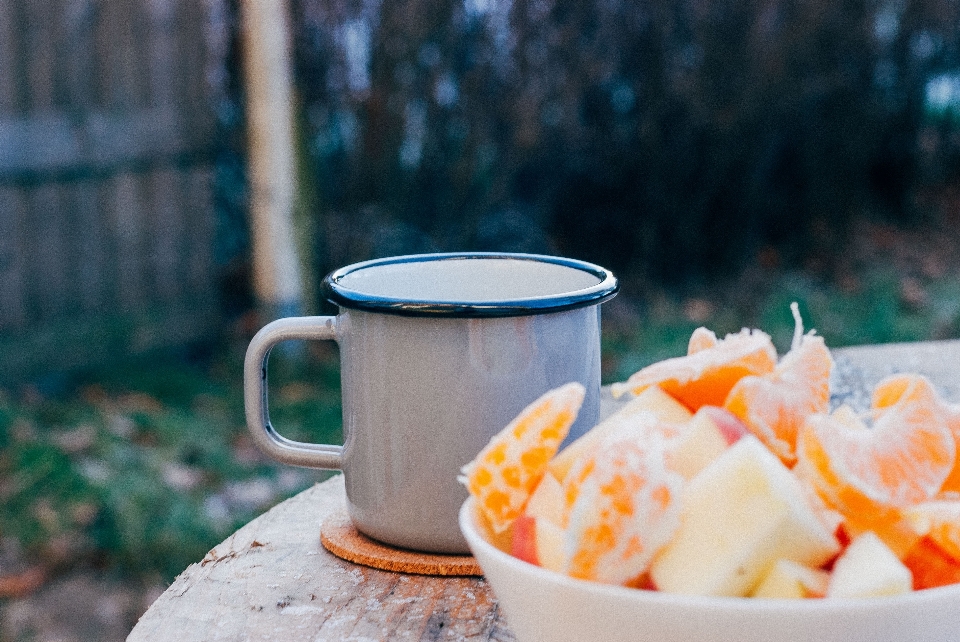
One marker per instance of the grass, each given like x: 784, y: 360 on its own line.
x: 138, y: 470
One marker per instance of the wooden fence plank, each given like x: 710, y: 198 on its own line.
x: 12, y: 268
x: 168, y: 237
x: 79, y: 56
x: 162, y: 42
x: 58, y: 142
x: 88, y: 236
x: 40, y: 61
x: 127, y: 220
x: 116, y: 53
x: 199, y: 198
x: 47, y: 257
x: 8, y: 56
x: 106, y: 212
x: 194, y: 90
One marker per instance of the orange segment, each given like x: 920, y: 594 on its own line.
x: 940, y: 521
x: 701, y: 339
x: 952, y: 417
x: 874, y: 473
x: 646, y: 430
x: 625, y: 509
x: 775, y: 405
x: 653, y: 403
x: 931, y: 566
x: 706, y: 375
x: 506, y: 471
x: 890, y: 389
x: 889, y: 525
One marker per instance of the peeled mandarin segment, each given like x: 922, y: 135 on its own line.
x: 643, y: 429
x: 707, y: 375
x: 891, y: 389
x: 831, y: 519
x: 901, y: 461
x: 502, y: 540
x: 701, y: 339
x: 938, y: 520
x: 625, y: 511
x: 889, y: 525
x: 952, y: 483
x: 506, y: 471
x: 775, y: 405
x: 931, y: 566
x: 652, y: 403
x: 952, y: 417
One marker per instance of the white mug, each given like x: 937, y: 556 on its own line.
x: 438, y: 352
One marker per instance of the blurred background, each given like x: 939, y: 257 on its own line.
x: 723, y: 159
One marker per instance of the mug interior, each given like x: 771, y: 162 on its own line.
x: 468, y: 280
x: 479, y: 284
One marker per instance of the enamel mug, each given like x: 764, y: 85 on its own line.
x: 438, y: 352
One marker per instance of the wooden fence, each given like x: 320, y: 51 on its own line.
x: 106, y: 212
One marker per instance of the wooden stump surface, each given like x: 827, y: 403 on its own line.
x: 273, y: 580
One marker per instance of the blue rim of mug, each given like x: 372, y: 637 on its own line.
x: 607, y: 288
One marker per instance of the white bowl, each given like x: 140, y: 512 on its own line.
x: 547, y: 606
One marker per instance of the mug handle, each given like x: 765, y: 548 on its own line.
x: 287, y: 451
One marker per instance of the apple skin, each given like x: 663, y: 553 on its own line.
x: 539, y: 542
x: 524, y: 542
x: 729, y: 425
x: 537, y: 535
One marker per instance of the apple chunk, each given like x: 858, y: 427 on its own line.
x: 537, y: 535
x: 653, y: 401
x: 789, y: 580
x: 710, y: 432
x: 538, y: 541
x: 739, y: 515
x: 868, y: 568
x: 546, y: 502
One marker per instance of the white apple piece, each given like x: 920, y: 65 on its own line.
x: 653, y: 401
x: 537, y: 536
x: 546, y: 502
x: 538, y: 541
x: 549, y: 542
x: 789, y: 580
x: 710, y: 432
x: 741, y: 514
x: 868, y: 568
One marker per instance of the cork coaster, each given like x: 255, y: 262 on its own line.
x: 339, y: 536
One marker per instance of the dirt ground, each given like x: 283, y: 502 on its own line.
x: 81, y: 606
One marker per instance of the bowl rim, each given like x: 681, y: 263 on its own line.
x: 756, y: 605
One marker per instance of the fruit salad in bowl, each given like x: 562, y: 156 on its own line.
x: 726, y: 500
